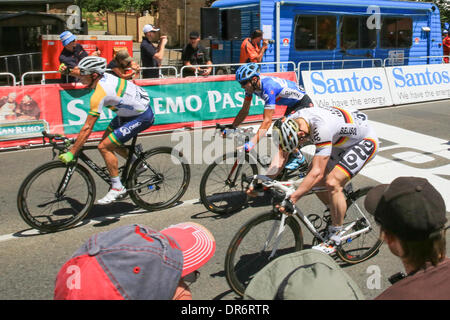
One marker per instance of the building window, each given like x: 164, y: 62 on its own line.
x: 315, y: 32
x: 396, y: 33
x: 356, y: 35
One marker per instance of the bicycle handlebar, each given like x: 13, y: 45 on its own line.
x: 236, y: 130
x: 53, y: 138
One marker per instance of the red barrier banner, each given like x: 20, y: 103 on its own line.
x: 25, y: 111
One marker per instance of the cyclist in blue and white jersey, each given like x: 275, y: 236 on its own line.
x: 274, y: 91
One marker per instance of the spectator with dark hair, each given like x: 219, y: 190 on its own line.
x: 411, y: 213
x: 251, y: 51
x: 135, y: 262
x: 70, y: 56
x: 151, y: 55
x: 195, y: 54
x: 123, y: 66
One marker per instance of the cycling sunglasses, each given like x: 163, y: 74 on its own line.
x: 243, y: 83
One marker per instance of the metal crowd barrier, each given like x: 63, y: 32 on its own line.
x: 161, y: 75
x: 9, y: 74
x: 42, y: 73
x: 334, y: 64
x: 392, y: 61
x: 229, y: 68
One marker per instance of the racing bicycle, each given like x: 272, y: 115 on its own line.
x: 272, y: 234
x: 56, y: 196
x: 222, y: 187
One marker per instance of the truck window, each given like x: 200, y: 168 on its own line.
x: 315, y: 32
x: 356, y: 35
x: 396, y: 33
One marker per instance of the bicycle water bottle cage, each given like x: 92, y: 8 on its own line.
x: 138, y: 149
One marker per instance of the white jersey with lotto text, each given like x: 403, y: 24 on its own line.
x: 121, y: 96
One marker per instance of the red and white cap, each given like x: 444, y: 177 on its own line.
x: 196, y: 243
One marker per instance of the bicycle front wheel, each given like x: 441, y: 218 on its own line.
x: 56, y: 196
x: 159, y: 179
x: 364, y: 233
x: 221, y: 187
x: 252, y: 247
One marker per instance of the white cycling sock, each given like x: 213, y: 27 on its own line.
x: 116, y: 183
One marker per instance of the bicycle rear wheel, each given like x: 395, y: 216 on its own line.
x: 364, y: 245
x: 251, y: 247
x: 55, y: 196
x: 221, y: 187
x: 159, y: 179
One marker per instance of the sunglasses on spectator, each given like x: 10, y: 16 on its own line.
x: 126, y: 65
x: 191, y: 277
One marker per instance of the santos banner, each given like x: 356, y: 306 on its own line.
x: 348, y: 88
x: 411, y: 84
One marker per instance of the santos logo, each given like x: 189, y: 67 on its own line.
x: 324, y: 85
x: 415, y: 79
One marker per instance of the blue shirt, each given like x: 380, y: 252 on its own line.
x: 276, y: 91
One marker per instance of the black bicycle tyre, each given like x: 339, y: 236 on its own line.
x: 347, y: 256
x: 135, y: 194
x: 23, y: 195
x: 232, y: 278
x: 211, y: 206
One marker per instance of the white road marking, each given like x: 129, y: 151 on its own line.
x: 134, y: 213
x: 385, y: 170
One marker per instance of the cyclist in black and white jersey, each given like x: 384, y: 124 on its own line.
x: 345, y: 142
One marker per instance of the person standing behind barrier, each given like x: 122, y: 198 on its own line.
x: 250, y: 49
x: 446, y: 45
x: 72, y: 53
x: 195, y: 54
x: 411, y: 213
x: 121, y: 64
x: 152, y: 56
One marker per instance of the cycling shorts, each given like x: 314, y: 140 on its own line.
x: 125, y: 128
x: 351, y: 160
x: 305, y: 102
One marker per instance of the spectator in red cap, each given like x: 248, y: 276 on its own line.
x: 411, y: 213
x: 135, y: 262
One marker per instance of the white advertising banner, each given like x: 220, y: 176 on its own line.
x: 351, y: 88
x: 419, y: 83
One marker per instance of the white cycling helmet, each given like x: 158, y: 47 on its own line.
x: 92, y: 64
x: 287, y: 134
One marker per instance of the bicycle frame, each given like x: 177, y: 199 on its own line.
x: 101, y: 172
x: 288, y: 187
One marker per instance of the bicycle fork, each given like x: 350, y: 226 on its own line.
x: 65, y: 181
x: 276, y: 242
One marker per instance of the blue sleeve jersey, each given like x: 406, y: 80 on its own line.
x: 276, y: 91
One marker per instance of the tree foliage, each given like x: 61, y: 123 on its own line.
x: 116, y: 5
x: 444, y: 9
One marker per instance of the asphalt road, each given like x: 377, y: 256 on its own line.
x: 414, y: 141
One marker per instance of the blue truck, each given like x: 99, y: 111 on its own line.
x: 334, y: 30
